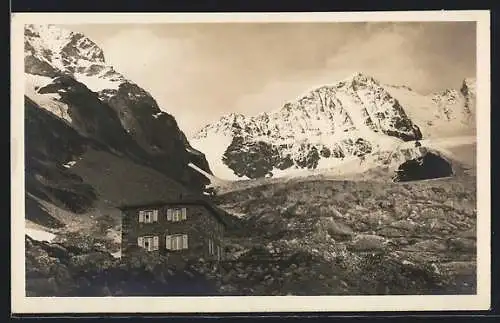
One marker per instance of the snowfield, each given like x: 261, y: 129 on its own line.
x: 39, y: 234
x: 215, y: 181
x: 97, y: 83
x: 48, y: 101
x: 214, y: 148
x: 439, y: 114
x: 349, y: 167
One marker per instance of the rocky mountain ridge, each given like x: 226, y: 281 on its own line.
x: 351, y: 118
x: 77, y: 107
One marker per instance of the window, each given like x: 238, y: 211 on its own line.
x: 177, y: 214
x: 150, y: 243
x: 176, y: 242
x: 148, y: 216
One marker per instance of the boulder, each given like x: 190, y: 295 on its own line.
x: 462, y: 244
x: 405, y: 224
x: 429, y: 246
x: 335, y: 228
x: 391, y: 232
x: 368, y: 242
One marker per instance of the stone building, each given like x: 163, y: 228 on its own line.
x: 193, y: 228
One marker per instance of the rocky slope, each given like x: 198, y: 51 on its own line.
x: 311, y: 237
x: 423, y: 233
x: 76, y: 107
x: 352, y: 118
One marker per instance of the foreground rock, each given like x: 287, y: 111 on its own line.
x: 365, y: 237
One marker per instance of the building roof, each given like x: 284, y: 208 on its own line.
x: 216, y: 211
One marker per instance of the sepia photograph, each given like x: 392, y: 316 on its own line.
x: 261, y: 160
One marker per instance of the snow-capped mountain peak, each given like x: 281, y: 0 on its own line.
x: 63, y: 49
x: 351, y: 117
x: 51, y: 51
x: 359, y: 77
x: 357, y: 102
x: 355, y: 116
x: 50, y: 36
x: 66, y: 75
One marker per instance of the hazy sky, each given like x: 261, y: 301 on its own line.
x: 198, y: 72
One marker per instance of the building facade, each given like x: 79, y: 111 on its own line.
x: 193, y: 229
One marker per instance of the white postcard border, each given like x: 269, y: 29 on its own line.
x: 22, y: 304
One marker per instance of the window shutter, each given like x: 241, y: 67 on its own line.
x: 155, y: 243
x: 175, y: 243
x: 185, y: 241
x: 140, y: 242
x: 155, y: 215
x: 169, y: 214
x: 141, y: 216
x: 168, y: 242
x: 184, y: 213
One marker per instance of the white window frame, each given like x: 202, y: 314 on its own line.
x: 176, y: 214
x: 148, y: 216
x: 176, y: 242
x: 152, y: 242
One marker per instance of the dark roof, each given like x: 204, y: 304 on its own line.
x: 216, y: 211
